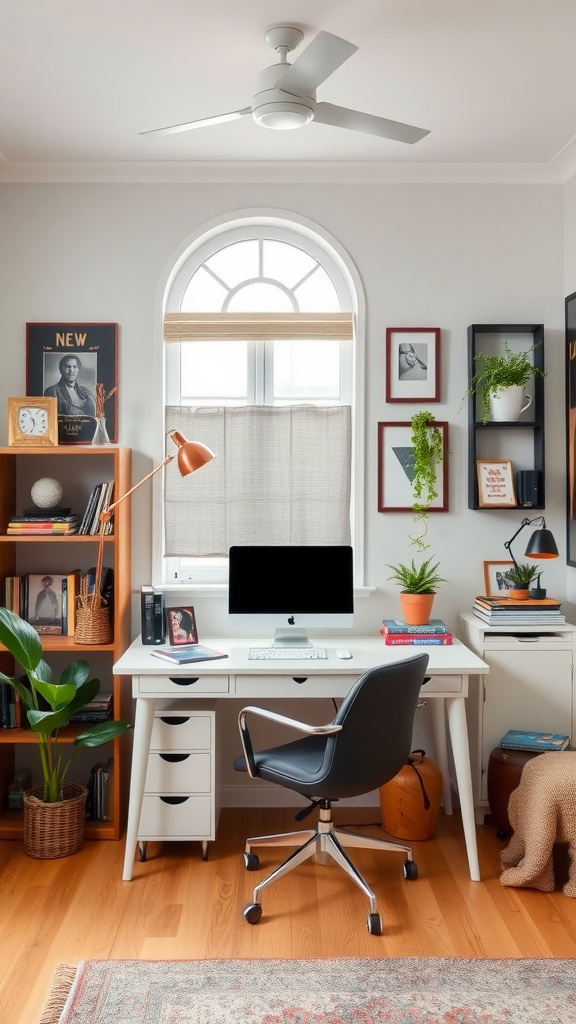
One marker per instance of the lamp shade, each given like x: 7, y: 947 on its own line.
x: 191, y: 454
x: 542, y: 545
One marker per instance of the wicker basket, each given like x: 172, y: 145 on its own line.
x: 93, y: 624
x: 54, y: 830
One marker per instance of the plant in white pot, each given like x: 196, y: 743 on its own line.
x: 418, y: 585
x: 503, y: 379
x: 49, y: 705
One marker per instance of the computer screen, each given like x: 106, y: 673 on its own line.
x: 289, y: 589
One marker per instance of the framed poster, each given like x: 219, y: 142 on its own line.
x: 570, y: 314
x: 495, y: 483
x: 496, y: 581
x: 76, y: 364
x: 413, y: 364
x: 396, y: 469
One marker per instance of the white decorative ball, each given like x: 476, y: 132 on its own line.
x: 46, y: 492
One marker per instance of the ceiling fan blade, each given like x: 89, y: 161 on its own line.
x: 342, y: 117
x: 203, y: 122
x: 315, y: 64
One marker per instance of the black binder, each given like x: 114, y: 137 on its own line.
x: 152, y: 607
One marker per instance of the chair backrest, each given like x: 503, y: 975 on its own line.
x: 377, y: 717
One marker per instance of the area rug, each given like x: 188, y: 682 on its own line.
x: 337, y: 991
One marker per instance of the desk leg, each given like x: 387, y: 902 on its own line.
x: 140, y: 750
x: 438, y: 715
x: 460, y: 750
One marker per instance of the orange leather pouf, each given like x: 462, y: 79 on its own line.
x: 410, y: 802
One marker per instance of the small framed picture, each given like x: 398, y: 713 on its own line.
x: 43, y: 602
x: 496, y: 579
x: 181, y: 626
x: 412, y: 364
x: 495, y: 484
x: 396, y: 469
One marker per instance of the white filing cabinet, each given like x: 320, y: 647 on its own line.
x: 530, y: 685
x: 180, y: 796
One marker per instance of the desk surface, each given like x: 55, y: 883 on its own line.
x: 449, y: 659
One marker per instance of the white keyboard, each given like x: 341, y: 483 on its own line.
x: 286, y: 653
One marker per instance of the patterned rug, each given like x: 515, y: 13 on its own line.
x: 345, y: 991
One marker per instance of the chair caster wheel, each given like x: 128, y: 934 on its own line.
x: 252, y: 913
x: 410, y: 870
x: 374, y: 924
x: 251, y: 861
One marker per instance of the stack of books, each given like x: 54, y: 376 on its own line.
x: 43, y: 525
x: 505, y: 612
x: 97, y: 710
x: 100, y: 498
x: 538, y: 742
x: 397, y: 632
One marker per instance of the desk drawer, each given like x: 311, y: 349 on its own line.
x: 183, y: 684
x: 283, y: 685
x: 442, y: 684
x: 178, y: 773
x: 188, y: 818
x: 184, y: 731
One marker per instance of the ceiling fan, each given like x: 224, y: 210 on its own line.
x: 285, y: 96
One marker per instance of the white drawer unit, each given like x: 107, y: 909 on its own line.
x: 179, y: 801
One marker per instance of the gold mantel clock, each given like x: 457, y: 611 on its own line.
x: 32, y: 422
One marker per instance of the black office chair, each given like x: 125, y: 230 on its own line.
x: 361, y: 749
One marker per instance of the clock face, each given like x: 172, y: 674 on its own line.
x: 32, y: 421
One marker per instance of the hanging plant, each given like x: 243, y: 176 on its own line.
x: 427, y: 452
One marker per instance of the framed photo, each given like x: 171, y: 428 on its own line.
x: 413, y: 364
x: 570, y: 315
x: 496, y: 580
x: 396, y: 472
x: 76, y: 364
x: 32, y: 422
x: 495, y: 484
x: 43, y: 602
x: 181, y: 626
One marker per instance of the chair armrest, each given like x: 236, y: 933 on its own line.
x: 310, y: 730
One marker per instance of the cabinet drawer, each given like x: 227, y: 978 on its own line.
x: 184, y: 731
x: 178, y: 773
x: 184, y: 684
x: 189, y: 818
x: 287, y: 686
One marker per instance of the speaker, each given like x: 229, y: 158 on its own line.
x: 528, y: 488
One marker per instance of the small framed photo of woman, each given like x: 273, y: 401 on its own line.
x: 181, y: 626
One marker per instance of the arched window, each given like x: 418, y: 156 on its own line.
x: 260, y: 363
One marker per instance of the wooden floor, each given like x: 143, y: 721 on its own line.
x: 180, y: 907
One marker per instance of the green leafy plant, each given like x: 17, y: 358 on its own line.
x: 413, y: 580
x: 496, y: 373
x: 63, y: 698
x: 427, y: 452
x: 522, y: 575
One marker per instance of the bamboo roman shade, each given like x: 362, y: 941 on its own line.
x: 185, y: 327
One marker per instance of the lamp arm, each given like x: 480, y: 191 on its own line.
x: 525, y: 522
x: 106, y: 514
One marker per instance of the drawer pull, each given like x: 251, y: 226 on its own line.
x: 174, y: 758
x: 300, y: 679
x: 174, y: 800
x: 184, y: 680
x: 175, y: 721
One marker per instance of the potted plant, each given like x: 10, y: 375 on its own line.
x: 496, y: 374
x: 49, y: 706
x: 418, y: 589
x: 427, y: 452
x: 521, y: 576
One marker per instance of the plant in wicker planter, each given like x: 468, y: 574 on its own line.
x: 49, y: 706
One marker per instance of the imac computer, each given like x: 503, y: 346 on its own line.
x: 286, y: 590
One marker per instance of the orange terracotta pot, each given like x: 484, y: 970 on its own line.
x: 416, y: 608
x: 518, y: 595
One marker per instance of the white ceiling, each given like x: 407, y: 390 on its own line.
x: 493, y: 80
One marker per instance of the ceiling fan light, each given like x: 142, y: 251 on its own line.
x: 283, y: 116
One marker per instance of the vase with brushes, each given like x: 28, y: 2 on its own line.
x: 54, y: 812
x: 101, y: 432
x: 427, y: 452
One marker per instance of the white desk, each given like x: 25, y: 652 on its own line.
x: 236, y: 676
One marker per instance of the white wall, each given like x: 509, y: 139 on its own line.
x: 428, y: 255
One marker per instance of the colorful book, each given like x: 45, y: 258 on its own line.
x: 399, y: 626
x: 531, y: 603
x: 186, y: 655
x: 393, y: 639
x: 518, y: 739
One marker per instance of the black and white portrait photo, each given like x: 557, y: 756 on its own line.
x: 413, y: 364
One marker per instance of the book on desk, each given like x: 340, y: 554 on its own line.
x: 187, y: 655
